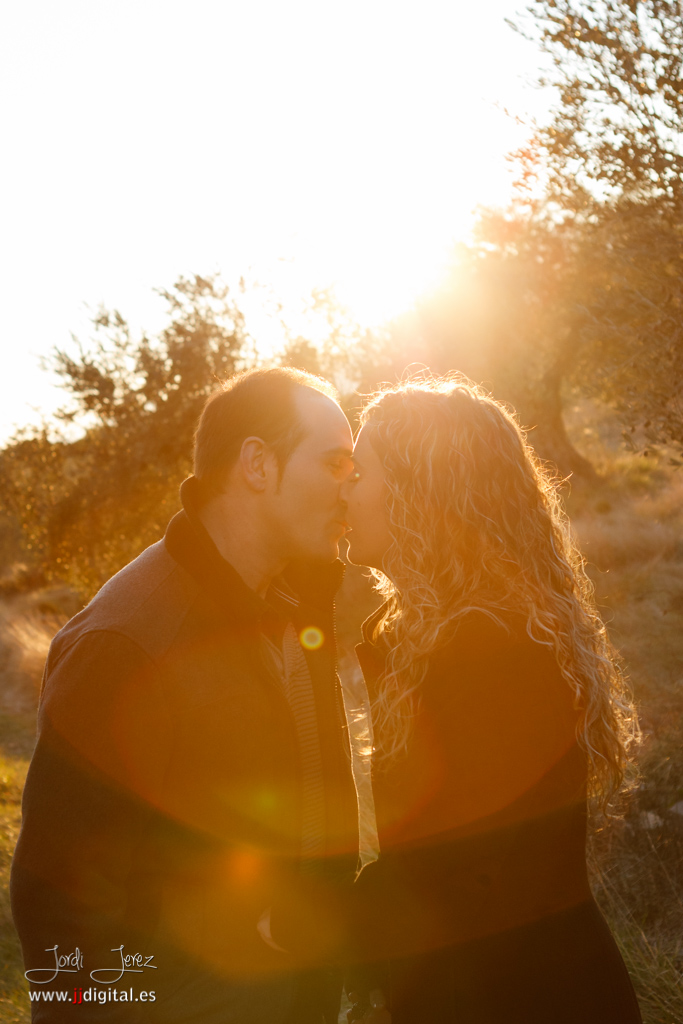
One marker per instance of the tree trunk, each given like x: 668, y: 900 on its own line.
x: 549, y: 435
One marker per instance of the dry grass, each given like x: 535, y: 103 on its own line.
x: 636, y: 878
x: 16, y: 743
x: 27, y: 624
x: 630, y: 528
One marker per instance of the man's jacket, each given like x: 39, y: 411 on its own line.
x: 162, y: 807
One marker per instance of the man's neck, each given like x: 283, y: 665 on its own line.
x: 238, y: 541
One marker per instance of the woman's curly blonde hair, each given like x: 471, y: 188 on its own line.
x: 477, y: 523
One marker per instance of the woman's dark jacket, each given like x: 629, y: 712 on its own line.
x: 480, y: 897
x: 162, y: 805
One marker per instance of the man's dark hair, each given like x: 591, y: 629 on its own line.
x: 254, y: 403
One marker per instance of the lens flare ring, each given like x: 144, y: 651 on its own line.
x: 311, y: 638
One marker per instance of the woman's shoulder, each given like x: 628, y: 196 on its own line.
x: 494, y: 656
x: 487, y: 634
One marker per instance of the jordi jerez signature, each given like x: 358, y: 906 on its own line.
x: 72, y: 963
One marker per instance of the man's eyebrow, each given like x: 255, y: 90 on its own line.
x: 339, y: 451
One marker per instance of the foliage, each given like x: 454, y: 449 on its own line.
x: 617, y: 66
x: 613, y: 162
x: 630, y: 305
x: 86, y: 506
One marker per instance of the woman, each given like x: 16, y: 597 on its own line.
x: 497, y: 710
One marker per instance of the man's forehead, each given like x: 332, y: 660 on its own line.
x: 324, y: 422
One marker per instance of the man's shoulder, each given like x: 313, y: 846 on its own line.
x: 147, y: 601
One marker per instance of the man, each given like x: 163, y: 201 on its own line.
x: 189, y: 815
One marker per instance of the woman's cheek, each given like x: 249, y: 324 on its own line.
x: 354, y: 501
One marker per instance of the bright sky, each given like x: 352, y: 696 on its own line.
x: 305, y: 143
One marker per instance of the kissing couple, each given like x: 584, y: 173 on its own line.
x: 192, y: 801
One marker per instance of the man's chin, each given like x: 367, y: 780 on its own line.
x: 325, y: 554
x: 332, y: 553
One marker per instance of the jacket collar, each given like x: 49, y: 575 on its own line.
x: 315, y: 582
x: 190, y: 544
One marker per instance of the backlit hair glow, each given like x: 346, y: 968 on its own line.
x: 477, y: 523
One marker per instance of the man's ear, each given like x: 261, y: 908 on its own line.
x: 256, y: 461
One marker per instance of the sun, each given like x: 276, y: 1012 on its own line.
x: 376, y: 263
x: 385, y: 280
